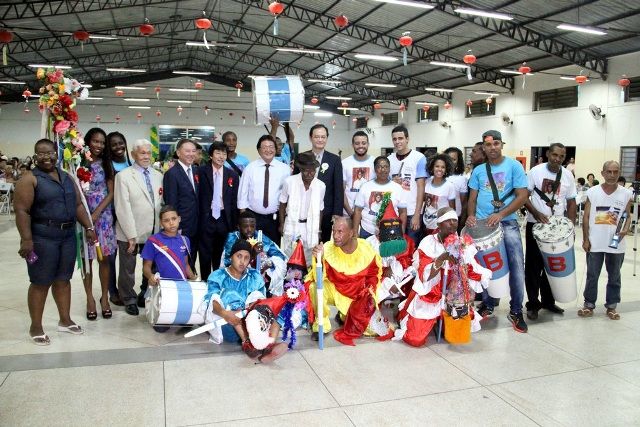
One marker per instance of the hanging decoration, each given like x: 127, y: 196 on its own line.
x: 157, y: 90
x: 98, y: 119
x: 624, y: 82
x: 179, y: 110
x: 81, y: 36
x: 146, y: 29
x: 117, y: 118
x: 314, y: 100
x: 405, y: 41
x: 119, y: 92
x: 276, y: 8
x: 139, y: 117
x: 341, y: 21
x: 26, y: 94
x: 333, y: 124
x: 354, y: 120
x: 204, y: 24
x: 239, y: 86
x: 580, y: 79
x: 377, y: 106
x: 198, y: 85
x: 489, y: 101
x: 469, y: 103
x: 426, y: 109
x: 158, y: 113
x: 26, y: 110
x: 402, y: 109
x: 244, y: 120
x: 469, y: 59
x: 5, y: 38
x: 447, y: 105
x: 206, y: 110
x: 524, y: 70
x: 344, y: 106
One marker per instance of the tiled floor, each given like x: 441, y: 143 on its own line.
x: 565, y: 371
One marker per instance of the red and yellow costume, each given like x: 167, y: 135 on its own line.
x: 350, y: 283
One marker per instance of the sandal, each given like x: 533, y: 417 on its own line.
x: 585, y: 312
x: 613, y: 314
x: 92, y: 315
x: 41, y: 339
x: 71, y: 329
x: 106, y: 314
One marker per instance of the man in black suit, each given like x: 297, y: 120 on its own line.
x: 180, y: 190
x: 218, y: 200
x: 329, y: 172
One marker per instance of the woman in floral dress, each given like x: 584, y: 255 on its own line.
x: 98, y: 191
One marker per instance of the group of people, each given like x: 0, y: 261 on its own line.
x: 385, y: 229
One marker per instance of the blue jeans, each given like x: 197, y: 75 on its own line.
x: 613, y: 262
x: 363, y: 234
x: 416, y: 235
x: 515, y: 255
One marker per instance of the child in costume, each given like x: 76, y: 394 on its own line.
x: 265, y: 252
x: 424, y: 304
x: 296, y: 271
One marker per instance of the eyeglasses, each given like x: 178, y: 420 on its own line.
x: 48, y: 154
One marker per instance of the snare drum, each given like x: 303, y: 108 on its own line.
x: 555, y: 241
x: 176, y: 302
x: 278, y: 96
x: 492, y: 254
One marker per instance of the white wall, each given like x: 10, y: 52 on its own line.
x: 595, y: 141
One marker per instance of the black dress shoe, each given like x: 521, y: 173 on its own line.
x: 315, y: 336
x: 141, y: 300
x: 339, y: 320
x: 161, y: 329
x: 132, y: 309
x: 532, y: 314
x: 554, y: 309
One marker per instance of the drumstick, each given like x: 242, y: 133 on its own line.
x: 320, y: 298
x: 444, y: 295
x: 212, y: 325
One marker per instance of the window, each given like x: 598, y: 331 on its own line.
x: 429, y: 116
x: 630, y: 163
x: 467, y: 155
x: 479, y: 108
x: 390, y: 119
x: 564, y: 97
x: 361, y: 122
x: 169, y: 135
x: 632, y: 92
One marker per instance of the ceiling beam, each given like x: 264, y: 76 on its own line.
x: 17, y: 10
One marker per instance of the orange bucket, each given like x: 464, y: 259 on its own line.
x: 457, y: 331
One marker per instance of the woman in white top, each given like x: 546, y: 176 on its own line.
x: 438, y: 192
x: 459, y: 182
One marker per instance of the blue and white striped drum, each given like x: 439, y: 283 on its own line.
x: 175, y: 302
x: 281, y: 97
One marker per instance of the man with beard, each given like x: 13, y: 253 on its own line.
x: 356, y: 168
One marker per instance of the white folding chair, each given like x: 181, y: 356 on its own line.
x: 5, y: 198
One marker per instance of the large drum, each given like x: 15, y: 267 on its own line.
x: 278, y: 96
x: 492, y: 254
x: 175, y: 302
x: 555, y: 241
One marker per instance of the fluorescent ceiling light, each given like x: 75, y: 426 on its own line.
x: 449, y: 64
x: 94, y: 98
x: 377, y: 100
x: 380, y: 85
x: 7, y: 82
x: 375, y: 57
x: 327, y: 82
x: 433, y: 104
x: 173, y: 89
x: 578, y: 28
x: 323, y: 114
x: 137, y: 99
x: 487, y: 93
x: 408, y: 3
x: 131, y: 87
x: 34, y: 96
x: 486, y: 14
x: 139, y: 107
x: 126, y: 70
x: 102, y: 37
x: 61, y: 67
x: 311, y: 107
x: 573, y: 78
x: 339, y: 98
x: 437, y: 89
x: 348, y: 108
x: 309, y: 51
x: 200, y: 44
x: 507, y: 71
x: 87, y: 86
x: 194, y: 73
x: 172, y: 101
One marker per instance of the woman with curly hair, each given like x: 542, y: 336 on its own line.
x: 459, y: 182
x: 438, y: 190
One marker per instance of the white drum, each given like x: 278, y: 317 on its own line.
x: 555, y: 241
x: 278, y: 96
x: 176, y: 302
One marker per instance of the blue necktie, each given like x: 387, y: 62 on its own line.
x: 147, y: 181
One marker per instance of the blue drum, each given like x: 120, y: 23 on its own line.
x: 176, y: 302
x: 281, y: 97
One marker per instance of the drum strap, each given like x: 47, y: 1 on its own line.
x: 550, y: 202
x: 235, y: 167
x: 497, y: 201
x: 167, y: 252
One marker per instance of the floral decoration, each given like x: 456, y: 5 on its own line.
x: 84, y: 176
x: 230, y: 182
x: 324, y: 167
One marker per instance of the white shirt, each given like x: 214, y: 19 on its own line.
x: 304, y: 196
x: 368, y: 200
x: 436, y: 197
x: 409, y: 166
x: 542, y: 178
x: 350, y: 173
x: 251, y: 190
x: 605, y: 213
x: 460, y: 185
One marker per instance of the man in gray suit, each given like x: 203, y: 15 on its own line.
x: 137, y: 199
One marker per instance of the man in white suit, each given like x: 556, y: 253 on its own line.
x: 137, y: 199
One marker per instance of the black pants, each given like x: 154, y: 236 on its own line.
x: 193, y: 254
x: 269, y: 226
x: 535, y: 278
x: 211, y: 245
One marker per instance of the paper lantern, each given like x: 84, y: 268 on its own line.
x: 239, y: 86
x: 26, y: 94
x: 204, y: 24
x: 447, y: 105
x: 98, y: 118
x: 179, y: 110
x: 146, y: 29
x: 157, y: 90
x: 26, y: 110
x: 344, y: 105
x: 206, y: 110
x: 405, y: 41
x: 314, y: 100
x: 524, y: 69
x: 119, y: 92
x: 117, y: 118
x: 623, y: 83
x: 158, y: 113
x: 139, y: 117
x: 341, y: 21
x: 198, y: 85
x: 469, y: 59
x: 402, y: 109
x: 276, y: 8
x: 489, y: 101
x: 425, y: 109
x: 5, y: 38
x: 82, y: 37
x: 377, y: 106
x: 244, y: 119
x: 581, y: 79
x: 469, y: 103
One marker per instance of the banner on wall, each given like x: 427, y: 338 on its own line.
x: 155, y: 142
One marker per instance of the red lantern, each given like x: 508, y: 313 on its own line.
x: 5, y: 38
x: 98, y: 118
x: 581, y: 79
x: 344, y: 105
x: 524, y: 70
x: 426, y: 109
x: 623, y: 83
x: 469, y: 103
x: 244, y: 119
x: 489, y: 101
x: 276, y: 8
x: 26, y: 94
x: 119, y: 92
x: 447, y: 105
x: 377, y: 106
x: 341, y: 21
x: 157, y: 89
x: 203, y: 23
x: 139, y: 117
x: 314, y: 100
x: 333, y: 124
x: 179, y: 110
x: 146, y: 29
x: 469, y: 59
x: 198, y: 85
x: 405, y: 41
x: 239, y: 86
x: 117, y: 118
x: 158, y: 113
x: 402, y: 109
x: 206, y: 110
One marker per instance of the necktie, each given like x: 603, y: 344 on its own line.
x: 265, y: 194
x: 147, y: 180
x: 215, y: 202
x: 190, y: 175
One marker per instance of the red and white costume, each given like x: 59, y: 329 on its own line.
x: 424, y: 304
